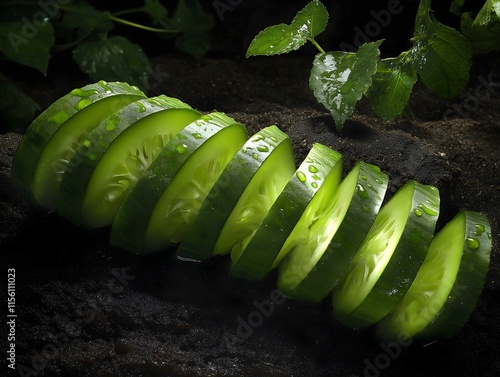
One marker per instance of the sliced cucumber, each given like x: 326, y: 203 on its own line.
x: 320, y: 170
x: 48, y: 144
x: 318, y: 259
x: 382, y: 270
x: 449, y: 283
x: 115, y: 154
x: 169, y: 194
x: 242, y: 196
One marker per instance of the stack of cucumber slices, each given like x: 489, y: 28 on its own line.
x: 162, y: 175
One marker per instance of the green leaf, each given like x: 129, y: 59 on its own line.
x: 156, y: 11
x: 312, y: 20
x: 440, y: 55
x: 275, y: 40
x: 283, y: 38
x: 113, y: 59
x: 484, y: 36
x: 339, y: 79
x: 81, y: 21
x: 456, y: 6
x: 27, y: 43
x: 391, y: 87
x: 16, y: 108
x: 191, y: 20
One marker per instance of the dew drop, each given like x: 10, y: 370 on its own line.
x: 87, y: 143
x: 480, y: 229
x: 313, y: 169
x: 301, y: 176
x: 427, y: 210
x: 262, y: 148
x: 365, y: 177
x: 275, y: 139
x: 181, y: 148
x: 379, y: 181
x: 206, y: 118
x: 140, y: 107
x: 472, y: 243
x: 418, y: 212
x: 258, y: 137
x: 106, y: 87
x: 84, y: 93
x: 197, y: 135
x: 489, y: 236
x: 255, y: 156
x: 314, y: 185
x: 362, y: 191
x: 83, y: 103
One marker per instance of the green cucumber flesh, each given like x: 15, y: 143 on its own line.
x: 320, y: 169
x: 169, y: 194
x: 251, y: 174
x: 115, y: 154
x: 449, y: 283
x: 388, y: 260
x: 51, y: 139
x: 315, y: 264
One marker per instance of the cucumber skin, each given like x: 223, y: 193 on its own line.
x: 130, y: 225
x: 464, y: 295
x: 75, y: 181
x: 47, y: 123
x: 262, y: 250
x: 346, y: 241
x: 225, y: 193
x: 403, y: 266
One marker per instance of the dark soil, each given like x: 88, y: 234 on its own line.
x: 86, y: 309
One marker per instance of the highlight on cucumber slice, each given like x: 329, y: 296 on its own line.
x: 324, y: 247
x: 445, y: 291
x: 115, y: 154
x: 388, y: 260
x: 241, y: 197
x: 169, y: 194
x: 52, y: 138
x: 320, y: 170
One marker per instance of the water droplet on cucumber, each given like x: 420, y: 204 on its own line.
x: 140, y: 107
x: 480, y: 229
x: 427, y: 210
x: 362, y: 191
x: 313, y: 169
x: 301, y: 176
x: 181, y: 148
x: 84, y: 93
x: 473, y: 243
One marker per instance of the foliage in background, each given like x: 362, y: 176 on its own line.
x: 32, y: 32
x: 482, y: 29
x: 440, y: 57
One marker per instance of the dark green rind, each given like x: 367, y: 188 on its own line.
x: 257, y: 259
x: 455, y: 311
x: 202, y: 235
x: 364, y: 206
x: 404, y: 264
x: 72, y: 106
x: 81, y: 167
x: 131, y: 222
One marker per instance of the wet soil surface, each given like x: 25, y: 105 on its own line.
x: 86, y: 309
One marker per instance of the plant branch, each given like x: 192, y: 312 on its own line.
x: 139, y: 26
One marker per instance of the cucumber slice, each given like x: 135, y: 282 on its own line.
x: 388, y: 260
x: 169, y: 194
x: 242, y: 196
x: 49, y: 142
x: 114, y: 156
x: 317, y: 261
x: 445, y: 291
x: 321, y: 169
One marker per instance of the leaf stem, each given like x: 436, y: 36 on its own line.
x: 139, y: 26
x: 313, y: 41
